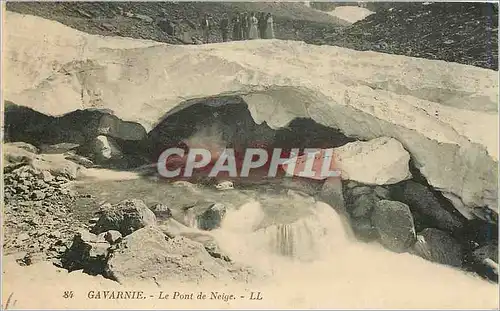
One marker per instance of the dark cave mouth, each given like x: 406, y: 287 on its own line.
x: 232, y: 126
x: 216, y: 124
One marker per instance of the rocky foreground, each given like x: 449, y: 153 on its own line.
x: 40, y: 226
x: 402, y: 215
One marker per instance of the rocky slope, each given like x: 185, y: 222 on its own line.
x: 458, y: 32
x: 138, y: 20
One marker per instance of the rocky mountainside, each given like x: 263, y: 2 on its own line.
x: 458, y: 32
x: 465, y: 33
x: 138, y: 19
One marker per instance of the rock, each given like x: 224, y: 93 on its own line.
x: 55, y: 234
x: 139, y: 254
x: 38, y: 195
x: 484, y: 261
x: 56, y: 165
x: 225, y: 185
x: 363, y: 229
x: 107, y: 26
x: 84, y: 13
x: 363, y: 205
x: 143, y: 18
x: 185, y: 184
x: 425, y: 207
x: 16, y: 155
x: 58, y: 148
x: 105, y: 149
x: 161, y: 211
x: 25, y: 146
x: 331, y: 194
x: 22, y: 237
x: 88, y: 252
x: 212, y: 217
x: 78, y: 159
x: 112, y: 126
x: 173, y: 228
x: 31, y: 258
x: 438, y: 246
x: 459, y: 205
x: 112, y: 236
x: 125, y: 217
x: 213, y: 249
x: 47, y: 176
x: 349, y: 184
x: 379, y: 161
x: 382, y: 193
x: 480, y: 232
x: 357, y: 191
x: 487, y: 251
x: 394, y: 223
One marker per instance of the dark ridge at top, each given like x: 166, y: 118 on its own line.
x: 461, y: 32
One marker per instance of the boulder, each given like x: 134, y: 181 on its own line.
x: 13, y: 155
x: 488, y: 251
x: 212, y: 217
x: 426, y: 208
x: 57, y: 165
x: 124, y: 217
x: 161, y: 211
x: 394, y: 224
x: 139, y: 256
x: 112, y: 236
x: 47, y: 176
x: 202, y: 214
x: 88, y: 252
x: 112, y: 126
x: 363, y: 205
x: 78, y: 159
x: 382, y: 193
x: 357, y: 191
x: 143, y: 18
x: 379, y: 161
x: 173, y: 228
x: 22, y: 145
x: 438, y: 246
x: 331, y: 194
x: 58, y: 148
x: 105, y: 148
x: 363, y: 229
x: 484, y: 260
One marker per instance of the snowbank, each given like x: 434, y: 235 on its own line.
x: 351, y: 14
x: 444, y: 114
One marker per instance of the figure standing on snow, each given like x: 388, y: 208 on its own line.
x: 270, y: 27
x: 254, y: 32
x: 224, y: 27
x: 262, y: 25
x: 244, y: 26
x: 205, y: 26
x: 236, y: 28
